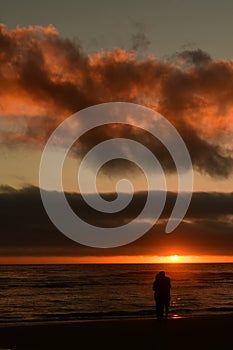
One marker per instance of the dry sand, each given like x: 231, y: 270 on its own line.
x: 184, y: 333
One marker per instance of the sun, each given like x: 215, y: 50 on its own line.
x: 174, y: 258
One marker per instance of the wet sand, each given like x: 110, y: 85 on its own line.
x: 184, y: 333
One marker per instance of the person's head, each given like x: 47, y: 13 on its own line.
x: 162, y: 273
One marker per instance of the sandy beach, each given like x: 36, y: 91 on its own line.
x: 182, y: 333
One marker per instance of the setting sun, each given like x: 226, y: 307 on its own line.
x: 174, y: 257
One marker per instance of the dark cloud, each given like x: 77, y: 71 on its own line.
x: 45, y: 78
x: 195, y: 57
x: 27, y: 230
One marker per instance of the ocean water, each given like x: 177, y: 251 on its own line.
x: 44, y: 293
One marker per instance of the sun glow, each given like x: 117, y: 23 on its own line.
x: 174, y: 258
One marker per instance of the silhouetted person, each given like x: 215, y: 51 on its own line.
x: 161, y: 288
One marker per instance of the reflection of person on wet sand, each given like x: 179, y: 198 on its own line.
x: 161, y: 288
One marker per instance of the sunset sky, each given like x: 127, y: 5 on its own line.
x: 59, y: 57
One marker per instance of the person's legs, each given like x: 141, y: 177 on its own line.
x: 166, y: 309
x: 160, y: 309
x: 157, y: 307
x: 157, y: 310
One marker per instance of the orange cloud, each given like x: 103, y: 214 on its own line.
x: 45, y: 77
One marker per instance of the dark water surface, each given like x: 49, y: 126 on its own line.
x: 32, y: 293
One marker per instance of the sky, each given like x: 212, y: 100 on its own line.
x: 58, y: 58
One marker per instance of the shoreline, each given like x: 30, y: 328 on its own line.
x: 176, y: 333
x: 112, y: 318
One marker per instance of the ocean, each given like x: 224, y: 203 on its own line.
x: 48, y: 293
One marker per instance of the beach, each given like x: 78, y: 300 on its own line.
x: 181, y: 333
x: 67, y: 307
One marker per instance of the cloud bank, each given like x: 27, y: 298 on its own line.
x: 45, y: 78
x: 27, y: 230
